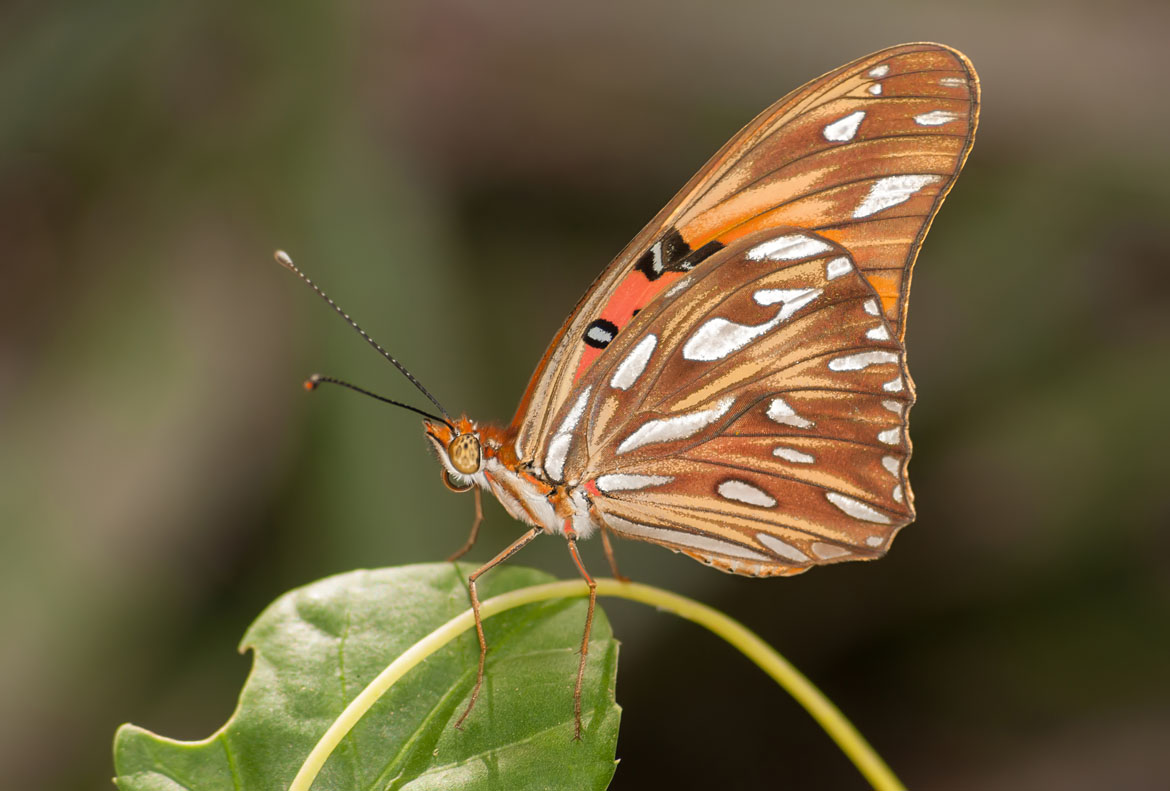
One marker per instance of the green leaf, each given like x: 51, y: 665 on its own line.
x: 318, y: 646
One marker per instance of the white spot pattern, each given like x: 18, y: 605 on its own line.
x: 793, y: 455
x: 875, y: 89
x: 558, y: 446
x: 891, y: 191
x: 856, y: 508
x: 828, y: 551
x: 793, y: 298
x: 677, y: 538
x: 599, y: 335
x: 890, y: 436
x: 893, y: 386
x: 871, y: 307
x: 788, y: 248
x: 719, y: 337
x: 745, y: 493
x: 936, y: 118
x: 874, y: 541
x: 843, y: 129
x: 624, y: 482
x: 893, y: 406
x: 953, y: 82
x: 838, y: 267
x: 780, y: 412
x: 892, y: 465
x: 897, y: 493
x: 858, y: 362
x: 879, y: 71
x: 878, y: 333
x: 781, y: 548
x: 635, y: 363
x: 672, y: 428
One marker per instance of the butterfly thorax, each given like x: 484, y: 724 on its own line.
x: 485, y: 456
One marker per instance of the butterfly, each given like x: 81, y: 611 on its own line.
x: 733, y: 386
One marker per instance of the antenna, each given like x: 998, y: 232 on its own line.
x: 316, y: 379
x: 284, y: 260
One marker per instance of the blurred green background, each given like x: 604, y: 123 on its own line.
x: 455, y: 174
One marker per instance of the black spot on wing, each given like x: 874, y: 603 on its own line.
x: 671, y: 253
x: 696, y: 257
x: 600, y: 333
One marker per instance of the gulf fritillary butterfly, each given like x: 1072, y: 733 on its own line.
x: 733, y: 386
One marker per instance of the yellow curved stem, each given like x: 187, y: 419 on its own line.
x: 840, y: 730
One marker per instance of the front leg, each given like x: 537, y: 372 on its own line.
x: 512, y: 549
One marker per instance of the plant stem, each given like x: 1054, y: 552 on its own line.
x: 840, y: 730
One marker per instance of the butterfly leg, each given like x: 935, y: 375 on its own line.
x: 474, y: 528
x: 613, y: 566
x: 512, y: 549
x: 572, y: 536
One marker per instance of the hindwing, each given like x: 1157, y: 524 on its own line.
x: 753, y: 417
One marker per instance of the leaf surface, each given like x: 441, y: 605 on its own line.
x: 316, y: 647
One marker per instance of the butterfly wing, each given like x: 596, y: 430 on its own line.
x: 753, y: 416
x: 863, y: 155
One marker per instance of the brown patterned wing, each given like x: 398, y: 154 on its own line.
x: 753, y: 417
x: 863, y: 156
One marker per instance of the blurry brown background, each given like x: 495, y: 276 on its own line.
x: 455, y: 174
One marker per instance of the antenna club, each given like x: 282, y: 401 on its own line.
x: 312, y: 382
x: 284, y: 260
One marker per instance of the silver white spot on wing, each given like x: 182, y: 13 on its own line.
x: 838, y: 267
x: 793, y: 455
x: 891, y: 436
x: 858, y: 362
x: 780, y: 412
x: 953, y: 82
x: 897, y: 495
x: 874, y: 541
x: 675, y: 538
x: 656, y: 257
x: 892, y: 465
x: 788, y: 248
x: 936, y: 118
x: 828, y: 551
x: 893, y: 406
x: 635, y: 363
x: 677, y: 287
x: 856, y: 508
x: 871, y: 307
x: 625, y: 482
x: 671, y: 428
x: 843, y: 129
x: 558, y: 446
x: 878, y: 333
x: 793, y: 298
x: 879, y: 71
x: 781, y: 548
x: 875, y: 89
x: 891, y: 191
x: 745, y: 493
x: 600, y: 335
x: 719, y: 337
x: 893, y: 386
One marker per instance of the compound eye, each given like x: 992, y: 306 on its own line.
x: 464, y: 453
x: 449, y: 482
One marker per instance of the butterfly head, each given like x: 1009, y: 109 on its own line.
x: 460, y: 451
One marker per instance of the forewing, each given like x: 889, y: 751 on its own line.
x: 753, y: 417
x: 863, y: 155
